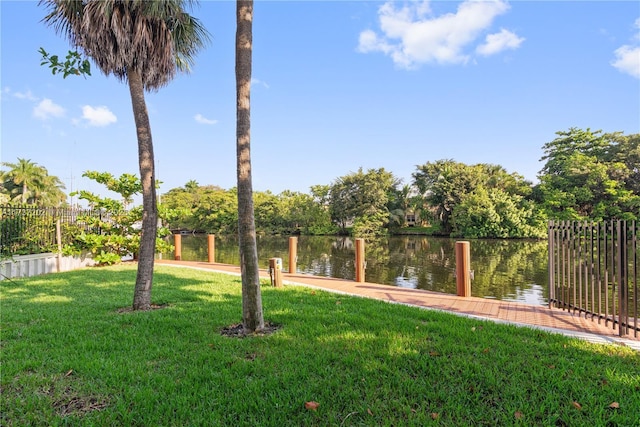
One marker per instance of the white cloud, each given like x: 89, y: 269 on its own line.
x: 496, y: 43
x: 47, y: 109
x: 628, y: 56
x: 411, y: 36
x: 26, y: 95
x: 98, y: 116
x: 201, y: 119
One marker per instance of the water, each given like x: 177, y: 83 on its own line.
x: 512, y: 270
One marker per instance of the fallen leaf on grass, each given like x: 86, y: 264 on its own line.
x: 312, y: 406
x: 69, y: 372
x: 369, y: 412
x: 435, y: 415
x: 434, y: 354
x: 576, y: 405
x: 614, y: 405
x: 338, y: 302
x: 518, y: 415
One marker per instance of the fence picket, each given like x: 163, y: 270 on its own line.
x: 593, y: 269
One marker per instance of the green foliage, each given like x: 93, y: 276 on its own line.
x: 590, y: 175
x: 27, y: 230
x: 363, y: 198
x: 494, y: 213
x: 480, y: 200
x: 27, y: 182
x: 214, y: 210
x: 73, y: 64
x: 115, y: 233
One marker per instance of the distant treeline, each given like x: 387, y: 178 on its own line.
x: 587, y: 175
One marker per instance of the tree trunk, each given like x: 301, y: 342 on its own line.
x: 144, y: 278
x: 252, y: 318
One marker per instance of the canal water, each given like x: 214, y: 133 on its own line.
x: 512, y: 270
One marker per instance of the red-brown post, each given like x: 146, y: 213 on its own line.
x: 177, y: 242
x: 211, y: 248
x: 463, y: 268
x: 293, y: 254
x: 360, y: 261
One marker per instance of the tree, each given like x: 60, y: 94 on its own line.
x: 442, y: 185
x: 363, y: 198
x: 590, y: 175
x: 252, y: 316
x: 28, y: 182
x: 115, y: 233
x: 142, y: 43
x: 481, y: 200
x: 494, y: 213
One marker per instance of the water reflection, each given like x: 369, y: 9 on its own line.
x: 503, y: 269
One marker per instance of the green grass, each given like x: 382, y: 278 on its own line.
x: 70, y: 356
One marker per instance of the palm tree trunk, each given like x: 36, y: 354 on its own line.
x: 252, y: 318
x: 144, y: 278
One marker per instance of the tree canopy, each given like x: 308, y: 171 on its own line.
x: 27, y: 182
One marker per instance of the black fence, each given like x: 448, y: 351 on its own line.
x: 593, y: 270
x: 31, y: 230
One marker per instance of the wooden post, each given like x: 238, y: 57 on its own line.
x: 59, y: 241
x: 275, y: 271
x: 211, y: 251
x: 293, y: 254
x: 360, y: 261
x: 177, y: 242
x: 463, y: 268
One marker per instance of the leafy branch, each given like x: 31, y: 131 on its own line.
x: 73, y: 64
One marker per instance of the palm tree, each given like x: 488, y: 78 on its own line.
x: 144, y: 43
x: 252, y: 317
x: 49, y: 191
x: 23, y: 179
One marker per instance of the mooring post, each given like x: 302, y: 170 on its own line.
x: 275, y: 271
x: 293, y: 254
x: 211, y: 248
x: 463, y: 268
x: 177, y: 243
x: 360, y: 261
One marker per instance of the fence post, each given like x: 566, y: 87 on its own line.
x: 59, y: 242
x: 463, y: 270
x: 360, y: 260
x: 177, y: 242
x: 211, y: 248
x: 623, y: 320
x: 293, y: 254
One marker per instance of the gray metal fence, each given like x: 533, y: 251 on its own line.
x: 31, y: 229
x: 593, y: 270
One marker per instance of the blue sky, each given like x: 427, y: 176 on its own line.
x: 338, y: 85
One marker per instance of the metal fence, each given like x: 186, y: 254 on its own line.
x: 593, y: 270
x: 31, y: 230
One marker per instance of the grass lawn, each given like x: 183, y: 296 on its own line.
x: 71, y: 356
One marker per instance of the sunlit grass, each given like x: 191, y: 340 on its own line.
x: 71, y: 355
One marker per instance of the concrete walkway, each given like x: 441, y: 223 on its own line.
x: 542, y: 317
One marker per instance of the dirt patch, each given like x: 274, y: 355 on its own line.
x: 238, y: 331
x: 78, y: 405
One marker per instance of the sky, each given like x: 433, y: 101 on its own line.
x: 337, y: 86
